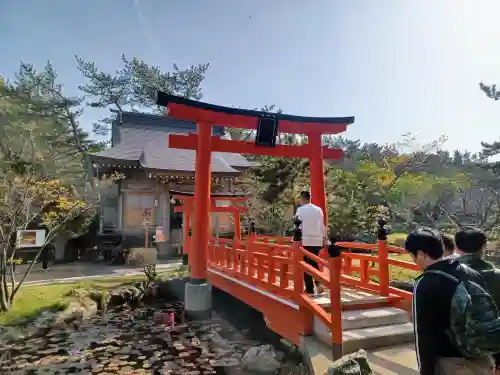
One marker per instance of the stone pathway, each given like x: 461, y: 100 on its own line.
x: 85, y: 271
x: 397, y: 360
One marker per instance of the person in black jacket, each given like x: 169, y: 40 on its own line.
x: 432, y: 296
x: 472, y: 243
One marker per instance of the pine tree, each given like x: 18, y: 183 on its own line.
x: 133, y: 87
x: 51, y: 118
x: 493, y: 148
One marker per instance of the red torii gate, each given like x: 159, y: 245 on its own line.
x: 188, y: 209
x: 206, y: 116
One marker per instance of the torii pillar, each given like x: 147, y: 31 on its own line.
x: 317, y: 173
x: 198, y: 292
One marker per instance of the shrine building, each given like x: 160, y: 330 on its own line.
x: 153, y: 172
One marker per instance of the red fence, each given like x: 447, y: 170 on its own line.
x: 277, y: 265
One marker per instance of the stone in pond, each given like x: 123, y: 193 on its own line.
x: 351, y: 364
x: 261, y: 359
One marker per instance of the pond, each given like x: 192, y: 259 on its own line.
x: 151, y: 340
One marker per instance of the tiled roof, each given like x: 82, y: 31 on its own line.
x: 143, y: 140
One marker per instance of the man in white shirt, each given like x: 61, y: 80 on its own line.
x: 313, y: 235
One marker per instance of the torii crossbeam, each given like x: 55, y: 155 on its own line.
x: 206, y: 116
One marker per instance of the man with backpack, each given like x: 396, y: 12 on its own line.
x: 472, y: 243
x: 457, y: 326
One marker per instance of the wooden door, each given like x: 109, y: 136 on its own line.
x: 139, y: 207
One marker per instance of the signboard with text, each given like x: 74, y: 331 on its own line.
x: 30, y: 238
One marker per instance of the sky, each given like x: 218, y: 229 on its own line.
x: 398, y: 66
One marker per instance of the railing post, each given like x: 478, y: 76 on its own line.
x: 237, y: 226
x: 383, y: 254
x: 335, y: 265
x: 253, y: 231
x: 364, y: 273
x: 348, y: 266
x: 250, y: 241
x: 298, y: 275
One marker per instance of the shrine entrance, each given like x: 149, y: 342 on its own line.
x: 267, y: 126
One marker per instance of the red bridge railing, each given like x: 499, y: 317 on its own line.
x: 277, y: 265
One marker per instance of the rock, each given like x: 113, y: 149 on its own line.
x: 10, y: 334
x: 93, y: 294
x: 77, y: 310
x: 225, y: 362
x: 261, y: 359
x: 45, y: 319
x: 351, y: 364
x: 130, y: 296
x: 140, y: 256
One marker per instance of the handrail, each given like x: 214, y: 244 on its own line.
x: 369, y: 246
x: 383, y: 261
x: 325, y: 317
x: 403, y: 264
x: 314, y: 273
x: 279, y: 268
x: 360, y: 256
x: 395, y: 249
x: 280, y: 252
x: 357, y: 245
x: 313, y: 257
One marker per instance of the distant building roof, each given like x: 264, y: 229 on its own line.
x: 142, y: 140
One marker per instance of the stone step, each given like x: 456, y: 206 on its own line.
x: 367, y: 318
x: 378, y: 337
x: 382, y: 316
x: 371, y: 337
x: 350, y: 297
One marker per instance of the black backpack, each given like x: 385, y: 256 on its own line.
x: 474, y: 318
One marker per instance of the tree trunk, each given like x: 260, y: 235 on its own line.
x: 4, y: 303
x: 4, y: 299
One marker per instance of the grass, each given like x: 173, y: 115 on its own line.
x: 397, y: 239
x: 31, y: 300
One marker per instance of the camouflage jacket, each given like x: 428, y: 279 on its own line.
x: 490, y: 274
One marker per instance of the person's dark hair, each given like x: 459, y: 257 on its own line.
x: 305, y: 195
x: 470, y: 240
x: 448, y: 242
x: 426, y: 240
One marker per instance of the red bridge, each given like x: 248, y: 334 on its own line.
x: 359, y: 310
